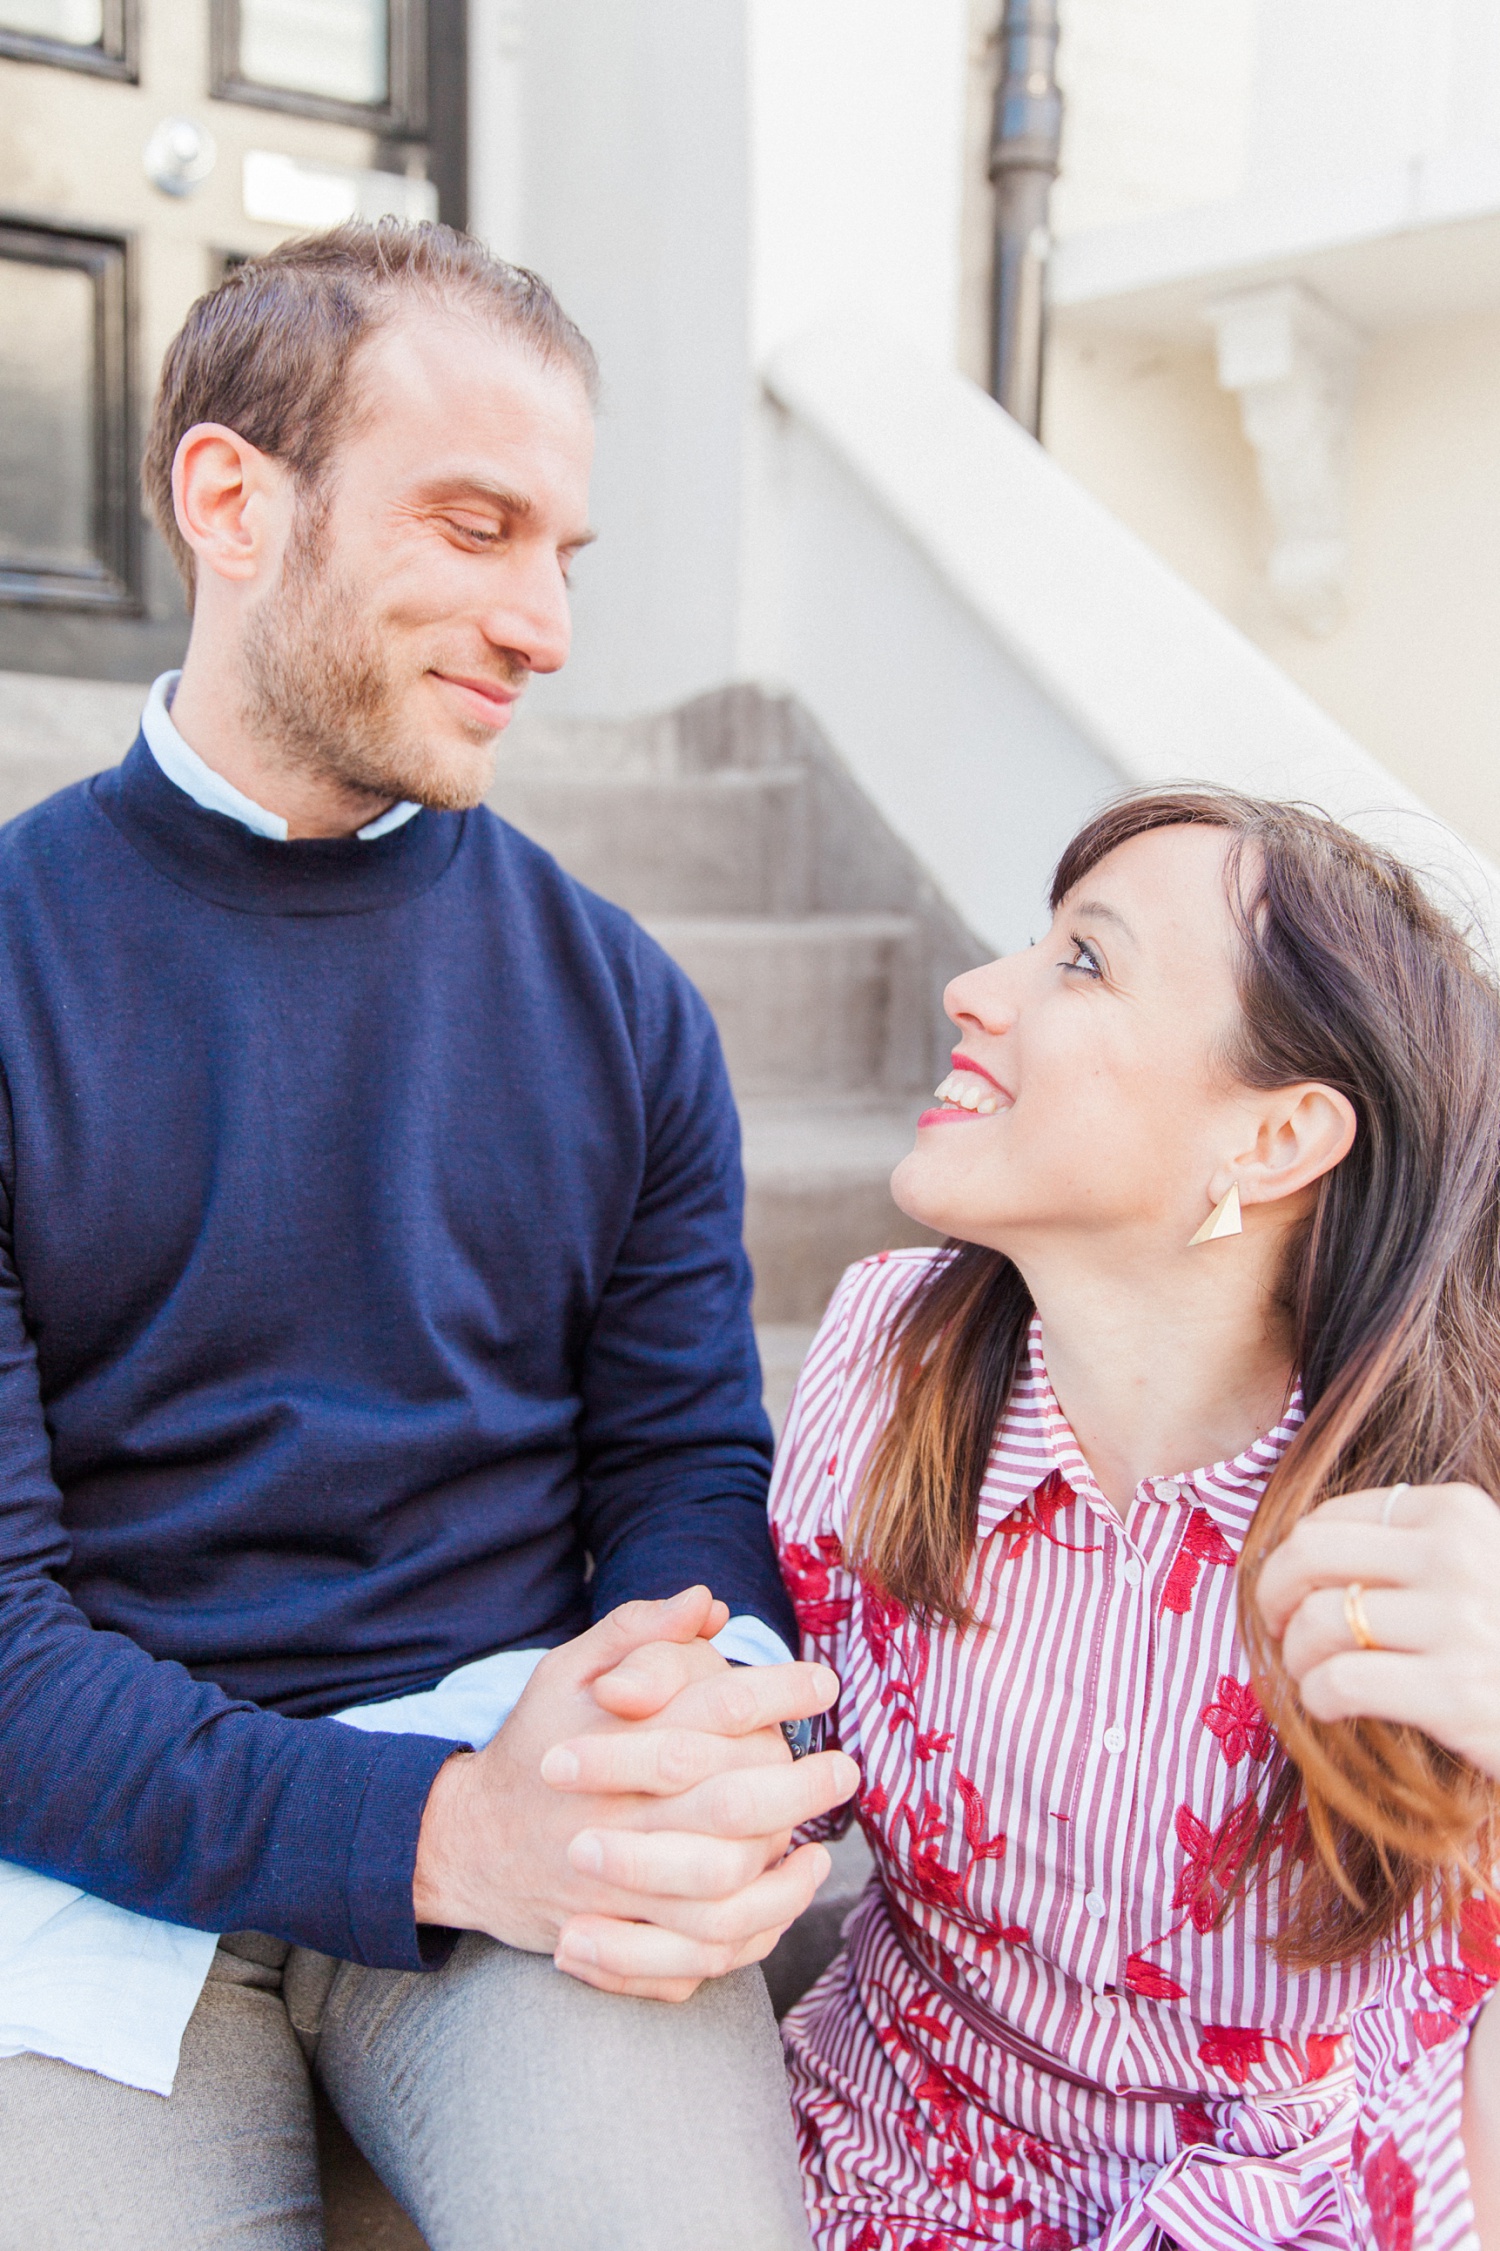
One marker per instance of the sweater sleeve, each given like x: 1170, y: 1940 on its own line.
x: 674, y: 1444
x: 122, y: 1774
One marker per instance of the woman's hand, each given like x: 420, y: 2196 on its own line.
x: 1426, y: 1563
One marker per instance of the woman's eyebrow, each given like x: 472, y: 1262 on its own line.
x: 1097, y: 911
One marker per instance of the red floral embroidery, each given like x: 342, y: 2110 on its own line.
x: 1322, y: 2055
x: 868, y: 2238
x: 1202, y: 1542
x: 1391, y: 2186
x: 1236, y: 1718
x: 808, y: 1574
x: 905, y: 1657
x: 1432, y: 2030
x: 942, y: 1887
x: 1479, y: 1938
x: 874, y: 1801
x: 1214, y: 1860
x: 1194, y: 2126
x: 1233, y: 2049
x: 1045, y: 2237
x: 1461, y: 1989
x: 980, y: 1846
x: 880, y: 1619
x: 1150, y: 1983
x: 1035, y: 1519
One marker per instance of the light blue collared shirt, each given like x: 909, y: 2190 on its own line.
x: 182, y: 765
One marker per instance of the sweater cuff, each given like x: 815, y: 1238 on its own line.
x: 383, y: 1930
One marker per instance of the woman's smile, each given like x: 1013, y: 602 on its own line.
x: 969, y: 1091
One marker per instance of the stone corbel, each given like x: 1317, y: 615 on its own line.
x: 1292, y: 361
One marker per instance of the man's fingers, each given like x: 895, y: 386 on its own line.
x: 669, y: 1863
x: 698, y: 1732
x: 653, y: 1673
x: 611, y: 1641
x: 655, y: 1762
x: 757, y: 1801
x: 724, y: 1936
x: 745, y: 1698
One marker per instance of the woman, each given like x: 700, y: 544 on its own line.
x: 1177, y: 1771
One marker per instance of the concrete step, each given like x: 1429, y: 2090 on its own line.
x: 726, y: 843
x: 816, y: 1004
x: 783, y: 1348
x: 55, y: 732
x: 817, y: 1197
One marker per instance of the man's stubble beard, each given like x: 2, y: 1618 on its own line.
x: 324, y: 700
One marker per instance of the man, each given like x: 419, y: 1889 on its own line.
x: 374, y: 1313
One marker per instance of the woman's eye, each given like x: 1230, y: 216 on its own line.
x: 1084, y: 958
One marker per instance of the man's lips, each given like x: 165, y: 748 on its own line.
x: 492, y: 699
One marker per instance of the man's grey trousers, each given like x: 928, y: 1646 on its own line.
x: 506, y: 2106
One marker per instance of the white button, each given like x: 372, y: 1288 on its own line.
x: 1114, y: 1739
x: 1094, y: 1904
x: 1130, y: 1571
x: 1168, y: 1489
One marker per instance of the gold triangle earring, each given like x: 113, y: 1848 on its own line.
x: 1224, y: 1219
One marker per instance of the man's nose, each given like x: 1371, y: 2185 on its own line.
x: 531, y: 617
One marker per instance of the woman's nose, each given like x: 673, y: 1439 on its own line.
x: 983, y: 998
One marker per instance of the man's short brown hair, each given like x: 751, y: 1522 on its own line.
x: 268, y: 352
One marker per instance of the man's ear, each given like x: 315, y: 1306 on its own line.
x: 1301, y: 1132
x: 233, y: 502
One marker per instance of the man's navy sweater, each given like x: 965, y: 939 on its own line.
x: 370, y: 1259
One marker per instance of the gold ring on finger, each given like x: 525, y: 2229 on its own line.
x: 1354, y: 1616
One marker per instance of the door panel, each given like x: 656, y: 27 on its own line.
x: 98, y: 267
x: 67, y: 524
x: 97, y: 35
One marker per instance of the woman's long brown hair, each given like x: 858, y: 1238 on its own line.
x: 1347, y: 974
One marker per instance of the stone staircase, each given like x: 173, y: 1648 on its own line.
x: 728, y: 827
x: 730, y: 830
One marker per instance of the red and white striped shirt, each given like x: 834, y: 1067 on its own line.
x: 1040, y: 2034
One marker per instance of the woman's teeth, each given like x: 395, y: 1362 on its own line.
x: 966, y: 1090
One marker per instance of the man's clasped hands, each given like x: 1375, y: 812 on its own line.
x: 633, y: 1817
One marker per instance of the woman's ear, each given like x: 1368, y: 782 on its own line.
x: 1301, y: 1132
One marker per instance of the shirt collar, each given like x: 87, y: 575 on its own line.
x: 182, y: 765
x: 1038, y: 1439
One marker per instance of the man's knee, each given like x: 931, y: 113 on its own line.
x: 506, y: 2104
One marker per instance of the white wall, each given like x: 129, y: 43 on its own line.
x: 626, y: 183
x: 857, y: 164
x: 992, y: 653
x: 1157, y: 106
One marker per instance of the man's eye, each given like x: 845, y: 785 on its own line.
x: 485, y: 534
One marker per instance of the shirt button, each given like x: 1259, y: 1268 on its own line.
x: 1130, y: 1571
x: 1168, y: 1489
x: 1094, y: 1905
x: 1114, y: 1739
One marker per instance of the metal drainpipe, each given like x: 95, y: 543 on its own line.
x: 1023, y: 166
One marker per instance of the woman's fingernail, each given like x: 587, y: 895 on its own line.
x: 561, y: 1766
x: 587, y: 1854
x: 576, y: 1948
